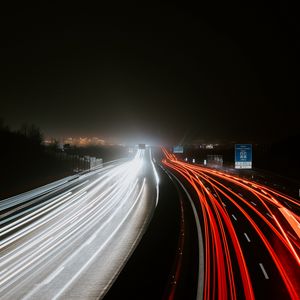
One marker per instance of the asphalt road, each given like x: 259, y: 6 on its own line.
x: 71, y: 238
x: 165, y: 265
x: 142, y: 230
x: 251, y: 234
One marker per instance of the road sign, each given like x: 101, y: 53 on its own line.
x: 178, y: 149
x: 243, y: 156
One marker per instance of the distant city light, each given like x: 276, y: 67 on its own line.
x: 80, y: 141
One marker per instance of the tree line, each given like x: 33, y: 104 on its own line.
x: 26, y: 162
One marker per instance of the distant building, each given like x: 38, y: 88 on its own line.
x: 84, y: 141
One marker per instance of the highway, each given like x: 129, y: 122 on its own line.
x: 251, y: 234
x: 71, y: 239
x: 135, y: 230
x: 165, y: 263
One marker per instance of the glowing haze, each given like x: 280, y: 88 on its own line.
x: 156, y: 74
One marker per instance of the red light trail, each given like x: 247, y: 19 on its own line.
x: 269, y: 214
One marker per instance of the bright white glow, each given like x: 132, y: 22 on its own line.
x: 51, y: 244
x: 156, y: 178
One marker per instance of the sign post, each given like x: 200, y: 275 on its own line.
x: 243, y: 156
x: 178, y: 149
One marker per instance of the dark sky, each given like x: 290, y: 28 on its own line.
x: 225, y: 70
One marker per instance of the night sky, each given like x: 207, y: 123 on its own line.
x: 159, y: 73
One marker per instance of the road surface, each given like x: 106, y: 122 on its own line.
x: 251, y: 234
x: 71, y: 239
x: 210, y: 234
x: 165, y: 263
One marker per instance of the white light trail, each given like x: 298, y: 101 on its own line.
x: 44, y: 244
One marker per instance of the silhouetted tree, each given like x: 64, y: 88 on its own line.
x: 33, y: 133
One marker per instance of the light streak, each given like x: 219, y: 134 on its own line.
x: 212, y: 188
x: 44, y: 242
